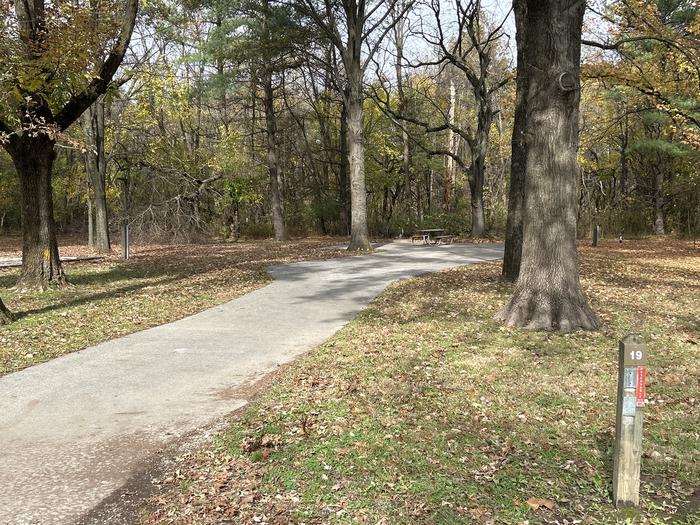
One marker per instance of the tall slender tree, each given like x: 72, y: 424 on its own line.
x: 356, y: 29
x: 472, y: 52
x: 512, y: 252
x: 92, y: 123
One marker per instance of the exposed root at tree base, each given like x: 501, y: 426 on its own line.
x: 360, y: 248
x: 32, y: 284
x: 538, y: 310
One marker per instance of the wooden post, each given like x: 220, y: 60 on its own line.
x: 631, y: 393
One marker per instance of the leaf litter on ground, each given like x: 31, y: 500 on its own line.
x: 425, y: 411
x: 110, y: 297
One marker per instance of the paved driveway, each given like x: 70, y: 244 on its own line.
x: 73, y: 430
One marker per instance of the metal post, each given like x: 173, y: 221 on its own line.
x: 596, y: 235
x: 631, y: 395
x: 125, y: 240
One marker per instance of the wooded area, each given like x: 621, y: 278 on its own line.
x: 193, y: 120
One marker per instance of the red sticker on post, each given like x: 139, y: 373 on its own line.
x: 641, y: 385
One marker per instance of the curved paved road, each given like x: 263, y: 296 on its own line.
x: 73, y: 430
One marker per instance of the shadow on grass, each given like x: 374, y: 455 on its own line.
x: 117, y: 292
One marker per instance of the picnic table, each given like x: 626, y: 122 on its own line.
x: 432, y: 236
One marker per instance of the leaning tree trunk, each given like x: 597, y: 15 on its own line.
x: 359, y: 234
x: 276, y: 202
x: 33, y: 159
x: 548, y: 293
x: 516, y: 193
x: 5, y: 314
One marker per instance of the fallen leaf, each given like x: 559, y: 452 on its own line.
x: 536, y: 503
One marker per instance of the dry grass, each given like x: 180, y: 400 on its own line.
x: 111, y: 298
x: 425, y: 411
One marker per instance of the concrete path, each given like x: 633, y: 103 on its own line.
x: 16, y: 262
x: 73, y: 430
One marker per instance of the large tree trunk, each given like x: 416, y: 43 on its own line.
x: 477, y: 206
x: 276, y: 202
x: 33, y: 159
x: 276, y: 199
x: 5, y: 314
x: 93, y: 124
x: 518, y: 160
x: 359, y: 234
x: 548, y: 293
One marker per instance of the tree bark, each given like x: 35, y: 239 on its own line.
x: 518, y: 160
x: 343, y: 175
x: 477, y: 206
x: 359, y: 233
x: 90, y: 214
x: 659, y: 223
x: 449, y: 177
x: 276, y: 202
x: 93, y: 124
x: 624, y: 161
x: 276, y: 199
x: 33, y: 158
x: 477, y: 178
x: 400, y: 41
x: 5, y: 314
x: 548, y: 293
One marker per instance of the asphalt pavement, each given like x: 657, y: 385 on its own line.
x: 74, y: 429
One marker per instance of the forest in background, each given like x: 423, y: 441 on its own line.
x: 228, y: 116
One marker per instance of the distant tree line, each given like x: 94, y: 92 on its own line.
x: 267, y: 118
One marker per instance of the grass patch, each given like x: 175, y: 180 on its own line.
x: 159, y: 284
x: 425, y: 411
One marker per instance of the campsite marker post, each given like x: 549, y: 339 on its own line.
x: 631, y: 396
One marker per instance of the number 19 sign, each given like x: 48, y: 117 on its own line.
x: 631, y: 397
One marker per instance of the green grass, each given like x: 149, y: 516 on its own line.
x: 426, y: 411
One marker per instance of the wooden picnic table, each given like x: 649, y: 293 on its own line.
x: 427, y: 235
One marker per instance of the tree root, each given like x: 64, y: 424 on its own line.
x: 360, y: 247
x: 543, y: 310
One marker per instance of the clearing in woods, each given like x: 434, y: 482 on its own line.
x: 425, y: 411
x: 75, y: 428
x: 111, y: 297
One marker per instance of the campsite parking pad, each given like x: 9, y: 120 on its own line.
x: 73, y: 430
